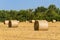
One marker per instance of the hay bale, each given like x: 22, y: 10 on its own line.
x: 14, y: 23
x: 6, y: 22
x: 41, y: 25
x: 26, y: 21
x: 54, y: 21
x: 11, y: 23
x: 32, y: 21
x: 18, y: 21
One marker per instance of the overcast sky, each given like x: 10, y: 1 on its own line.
x: 26, y: 4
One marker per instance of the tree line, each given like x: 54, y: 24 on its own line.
x: 39, y: 13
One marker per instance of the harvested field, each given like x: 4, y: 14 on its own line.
x: 26, y: 31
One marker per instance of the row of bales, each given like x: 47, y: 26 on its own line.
x: 41, y: 24
x: 38, y: 24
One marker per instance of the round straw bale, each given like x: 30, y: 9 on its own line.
x: 14, y: 23
x: 54, y: 21
x: 26, y: 21
x: 32, y: 21
x: 6, y: 22
x: 18, y: 21
x: 39, y: 25
x: 9, y: 23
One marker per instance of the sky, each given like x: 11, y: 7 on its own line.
x: 26, y: 4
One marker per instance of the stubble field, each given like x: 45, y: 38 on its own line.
x: 25, y: 31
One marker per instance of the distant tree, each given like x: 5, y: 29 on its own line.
x: 40, y: 9
x: 50, y: 15
x: 40, y: 13
x: 52, y: 7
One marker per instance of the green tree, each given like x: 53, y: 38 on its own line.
x: 50, y: 15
